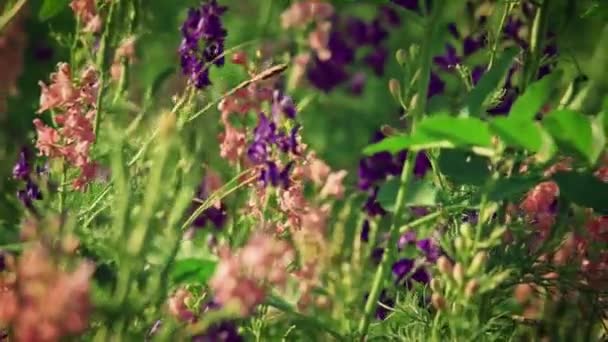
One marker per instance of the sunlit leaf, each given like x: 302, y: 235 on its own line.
x: 51, y: 8
x: 529, y: 103
x: 418, y: 193
x: 572, y: 132
x: 193, y: 270
x: 518, y: 133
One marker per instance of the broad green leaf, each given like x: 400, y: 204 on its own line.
x: 458, y: 131
x: 527, y: 105
x: 518, y: 133
x: 390, y: 144
x: 489, y: 82
x: 598, y: 135
x: 51, y: 8
x: 419, y: 193
x: 464, y: 168
x: 572, y: 132
x: 438, y: 131
x: 513, y: 188
x: 583, y: 189
x: 192, y: 270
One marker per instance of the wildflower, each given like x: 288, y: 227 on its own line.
x: 85, y: 10
x: 333, y: 185
x: 303, y: 12
x: 74, y: 136
x: 241, y: 277
x: 124, y: 52
x: 202, y: 24
x: 45, y: 302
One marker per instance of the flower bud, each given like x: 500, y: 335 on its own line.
x: 444, y: 265
x: 458, y: 273
x: 522, y: 293
x: 466, y: 230
x: 459, y: 243
x: 471, y: 288
x: 478, y: 262
x: 401, y: 57
x: 435, y: 285
x: 497, y: 233
x: 394, y: 88
x: 438, y: 301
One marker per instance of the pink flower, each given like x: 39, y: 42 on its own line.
x: 333, y: 185
x: 48, y: 138
x: 232, y: 143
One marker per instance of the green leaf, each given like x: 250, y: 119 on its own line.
x: 583, y: 189
x: 572, y: 132
x: 51, y: 8
x: 489, y: 82
x: 392, y: 144
x: 513, y: 188
x: 518, y: 133
x: 419, y: 193
x: 438, y: 131
x: 192, y: 270
x: 458, y: 131
x: 527, y: 105
x: 464, y: 168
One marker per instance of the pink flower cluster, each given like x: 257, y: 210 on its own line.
x: 124, y: 52
x: 75, y: 105
x: 42, y: 302
x: 251, y: 98
x: 87, y: 13
x: 302, y: 13
x: 242, y: 277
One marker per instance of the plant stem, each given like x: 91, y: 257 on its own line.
x: 538, y: 32
x: 417, y: 112
x: 102, y: 62
x: 503, y: 19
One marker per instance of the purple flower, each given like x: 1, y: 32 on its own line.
x: 283, y: 104
x: 436, y: 85
x: 430, y: 249
x: 326, y: 75
x: 271, y: 175
x: 224, y: 331
x: 407, y: 238
x: 376, y: 60
x: 365, y: 231
x: 202, y: 25
x: 22, y: 168
x: 28, y: 195
x: 2, y: 261
x: 214, y: 214
x: 401, y: 268
x: 449, y: 60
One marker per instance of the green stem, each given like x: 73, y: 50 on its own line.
x: 9, y: 14
x: 538, y: 32
x: 508, y: 6
x: 417, y: 112
x: 102, y: 62
x: 62, y: 188
x: 430, y: 217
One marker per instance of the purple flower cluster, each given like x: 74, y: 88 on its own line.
x: 269, y: 140
x: 203, y: 25
x: 346, y: 37
x: 22, y: 171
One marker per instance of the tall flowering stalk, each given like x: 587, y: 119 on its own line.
x: 203, y: 42
x: 74, y: 104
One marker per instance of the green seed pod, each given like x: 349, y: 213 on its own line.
x: 458, y: 273
x: 401, y: 57
x: 478, y: 262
